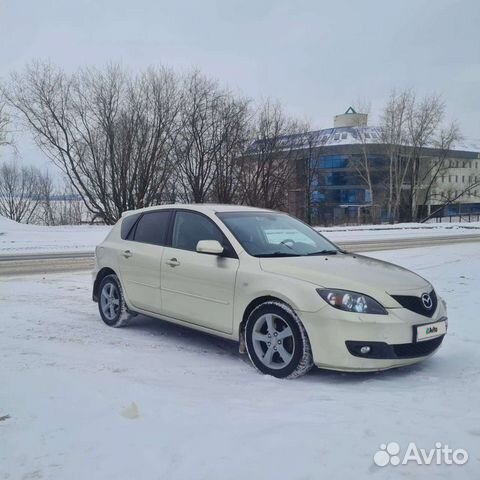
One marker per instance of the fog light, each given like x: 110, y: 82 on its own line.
x: 364, y: 350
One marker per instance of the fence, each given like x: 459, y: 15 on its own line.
x: 467, y: 218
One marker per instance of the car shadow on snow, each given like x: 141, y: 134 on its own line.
x: 184, y: 338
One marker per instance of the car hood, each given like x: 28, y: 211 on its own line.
x: 353, y: 272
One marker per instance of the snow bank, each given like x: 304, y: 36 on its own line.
x: 398, y: 231
x: 7, y: 225
x: 17, y: 238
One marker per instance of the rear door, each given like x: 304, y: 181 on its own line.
x: 141, y: 260
x: 198, y: 287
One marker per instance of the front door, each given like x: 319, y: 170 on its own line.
x: 198, y: 287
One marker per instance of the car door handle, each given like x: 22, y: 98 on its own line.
x: 127, y: 253
x: 173, y: 262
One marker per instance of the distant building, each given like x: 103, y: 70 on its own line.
x: 328, y: 188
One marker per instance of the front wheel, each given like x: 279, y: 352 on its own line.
x: 111, y: 302
x: 277, y: 342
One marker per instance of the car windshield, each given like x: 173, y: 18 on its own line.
x: 270, y: 234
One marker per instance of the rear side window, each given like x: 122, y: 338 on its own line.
x: 152, y: 227
x: 127, y: 223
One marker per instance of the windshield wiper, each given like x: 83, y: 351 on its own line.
x: 323, y: 252
x: 277, y: 254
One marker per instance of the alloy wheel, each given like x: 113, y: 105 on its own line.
x: 110, y: 301
x: 273, y: 341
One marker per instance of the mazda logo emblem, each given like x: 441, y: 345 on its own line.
x: 427, y: 301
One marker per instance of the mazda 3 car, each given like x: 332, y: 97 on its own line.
x: 290, y: 297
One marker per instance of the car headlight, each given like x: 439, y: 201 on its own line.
x: 351, y: 301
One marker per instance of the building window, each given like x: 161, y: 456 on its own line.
x: 463, y: 178
x: 456, y: 178
x: 449, y: 179
x: 330, y: 161
x: 349, y: 196
x: 344, y: 136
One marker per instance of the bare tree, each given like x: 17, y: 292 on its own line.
x: 46, y: 213
x: 428, y: 175
x: 109, y: 133
x: 309, y: 166
x: 363, y: 163
x: 213, y: 126
x: 59, y: 205
x: 196, y: 146
x: 423, y: 122
x: 409, y: 129
x: 394, y: 137
x: 20, y: 191
x: 4, y: 122
x: 268, y: 165
x: 235, y: 137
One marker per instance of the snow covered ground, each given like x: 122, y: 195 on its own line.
x: 398, y: 231
x: 156, y: 401
x: 16, y: 238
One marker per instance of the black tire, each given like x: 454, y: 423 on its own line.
x: 295, y: 347
x: 119, y: 315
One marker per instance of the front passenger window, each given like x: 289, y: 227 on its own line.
x: 190, y: 228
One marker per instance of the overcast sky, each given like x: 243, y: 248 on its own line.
x: 316, y: 57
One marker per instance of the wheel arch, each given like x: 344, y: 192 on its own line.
x: 98, y: 279
x: 253, y: 305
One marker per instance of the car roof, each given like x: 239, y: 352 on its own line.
x: 200, y: 207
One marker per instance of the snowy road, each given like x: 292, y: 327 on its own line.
x: 200, y: 410
x: 43, y: 263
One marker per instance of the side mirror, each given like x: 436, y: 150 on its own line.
x: 212, y: 247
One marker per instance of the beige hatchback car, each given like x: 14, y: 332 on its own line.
x: 289, y: 296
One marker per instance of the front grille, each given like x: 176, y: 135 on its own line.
x: 415, y: 304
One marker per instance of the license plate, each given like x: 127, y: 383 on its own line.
x: 430, y: 330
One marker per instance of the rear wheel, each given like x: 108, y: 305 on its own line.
x: 276, y: 341
x: 111, y: 302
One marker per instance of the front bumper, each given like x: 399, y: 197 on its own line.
x: 336, y: 338
x: 382, y: 350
